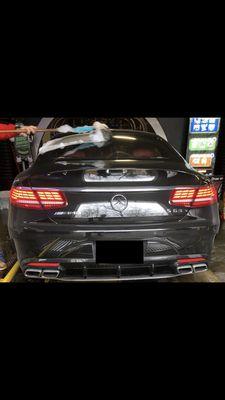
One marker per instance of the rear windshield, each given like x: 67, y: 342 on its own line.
x: 119, y: 148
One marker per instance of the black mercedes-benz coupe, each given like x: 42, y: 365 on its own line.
x: 131, y: 208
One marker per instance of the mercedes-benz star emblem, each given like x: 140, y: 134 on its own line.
x: 119, y: 202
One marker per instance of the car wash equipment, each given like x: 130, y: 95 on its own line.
x: 97, y: 135
x: 65, y: 129
x: 23, y: 151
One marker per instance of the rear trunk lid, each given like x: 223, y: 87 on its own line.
x: 114, y: 192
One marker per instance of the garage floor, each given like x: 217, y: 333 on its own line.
x: 215, y: 274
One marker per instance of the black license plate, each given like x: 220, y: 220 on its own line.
x: 119, y: 252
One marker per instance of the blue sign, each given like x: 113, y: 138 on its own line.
x: 204, y: 125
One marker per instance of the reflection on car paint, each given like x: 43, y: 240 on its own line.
x: 134, y: 209
x: 119, y: 176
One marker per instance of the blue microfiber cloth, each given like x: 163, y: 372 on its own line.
x: 82, y: 129
x: 78, y: 129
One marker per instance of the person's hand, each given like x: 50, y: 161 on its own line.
x: 27, y: 130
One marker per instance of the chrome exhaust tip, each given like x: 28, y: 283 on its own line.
x: 32, y: 273
x: 50, y: 274
x: 184, y: 269
x: 200, y: 267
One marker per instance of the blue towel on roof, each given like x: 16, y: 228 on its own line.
x: 83, y: 129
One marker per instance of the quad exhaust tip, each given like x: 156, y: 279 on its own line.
x: 185, y: 269
x: 200, y: 267
x: 33, y: 273
x: 189, y: 269
x: 39, y: 273
x: 50, y: 274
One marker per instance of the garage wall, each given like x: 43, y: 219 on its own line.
x: 176, y: 130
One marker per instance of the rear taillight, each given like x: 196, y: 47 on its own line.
x: 194, y: 197
x: 37, y: 198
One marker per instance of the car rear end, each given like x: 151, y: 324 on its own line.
x: 113, y: 217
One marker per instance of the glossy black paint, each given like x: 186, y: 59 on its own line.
x: 69, y: 235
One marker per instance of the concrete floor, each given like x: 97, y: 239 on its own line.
x: 216, y: 273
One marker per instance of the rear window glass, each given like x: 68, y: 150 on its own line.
x: 119, y: 147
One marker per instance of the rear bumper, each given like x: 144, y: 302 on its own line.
x: 84, y: 275
x: 74, y: 250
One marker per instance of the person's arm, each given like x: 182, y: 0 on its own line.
x: 6, y: 127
